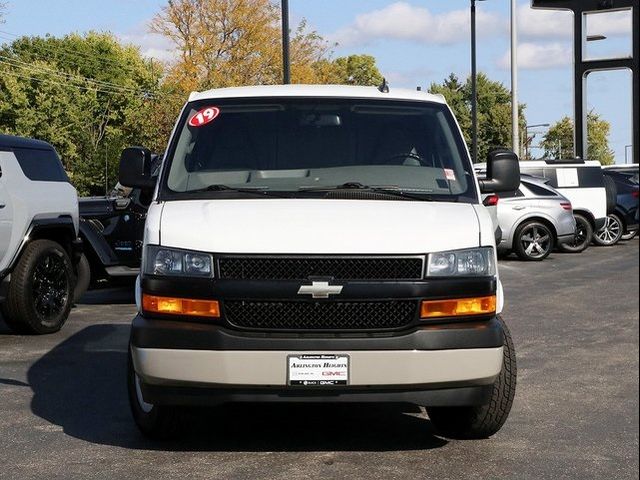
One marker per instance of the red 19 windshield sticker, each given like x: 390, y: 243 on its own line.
x: 204, y: 116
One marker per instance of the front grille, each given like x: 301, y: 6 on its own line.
x: 301, y: 268
x: 318, y: 316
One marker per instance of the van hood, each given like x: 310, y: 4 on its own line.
x: 318, y: 226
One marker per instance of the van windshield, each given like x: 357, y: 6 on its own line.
x: 304, y: 147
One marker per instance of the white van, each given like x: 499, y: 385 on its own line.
x: 320, y: 244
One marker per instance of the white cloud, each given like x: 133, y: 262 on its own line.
x: 544, y: 23
x: 610, y: 23
x: 151, y: 45
x: 403, y: 21
x: 556, y: 24
x: 539, y: 56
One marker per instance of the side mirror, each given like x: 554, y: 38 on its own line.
x: 135, y: 168
x: 503, y: 172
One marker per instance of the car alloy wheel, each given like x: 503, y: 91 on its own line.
x: 50, y: 286
x: 610, y: 233
x: 536, y: 241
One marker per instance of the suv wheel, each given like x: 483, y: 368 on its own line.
x: 611, y: 233
x: 160, y: 422
x: 582, y: 237
x: 533, y: 241
x: 629, y: 235
x: 40, y: 290
x: 484, y: 420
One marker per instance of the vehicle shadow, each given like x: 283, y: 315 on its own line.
x: 80, y: 386
x: 118, y: 295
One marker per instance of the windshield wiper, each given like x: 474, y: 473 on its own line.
x: 384, y: 189
x: 261, y: 191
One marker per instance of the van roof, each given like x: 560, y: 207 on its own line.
x: 10, y: 141
x: 326, y: 91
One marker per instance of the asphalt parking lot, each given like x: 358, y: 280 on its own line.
x: 574, y: 318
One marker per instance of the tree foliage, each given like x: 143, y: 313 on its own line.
x: 83, y: 94
x: 558, y: 141
x: 494, y: 110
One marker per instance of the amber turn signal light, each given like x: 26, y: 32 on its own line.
x: 180, y: 306
x: 458, y: 307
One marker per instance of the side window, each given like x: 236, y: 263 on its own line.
x: 590, y: 177
x: 540, y: 191
x: 514, y: 194
x: 40, y: 165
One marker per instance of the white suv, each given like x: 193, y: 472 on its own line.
x: 320, y: 244
x: 583, y: 183
x: 39, y: 246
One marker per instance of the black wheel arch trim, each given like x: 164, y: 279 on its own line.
x: 95, y: 242
x: 37, y: 230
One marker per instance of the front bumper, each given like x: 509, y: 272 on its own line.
x: 193, y: 363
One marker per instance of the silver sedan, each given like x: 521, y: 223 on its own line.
x: 534, y: 220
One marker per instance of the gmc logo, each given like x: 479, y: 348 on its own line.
x: 333, y: 374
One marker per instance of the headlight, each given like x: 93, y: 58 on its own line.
x: 170, y: 261
x: 471, y: 262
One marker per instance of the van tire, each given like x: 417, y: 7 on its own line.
x: 583, y: 237
x: 157, y: 422
x: 484, y: 420
x: 44, y: 269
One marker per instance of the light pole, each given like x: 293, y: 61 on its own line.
x: 286, y: 62
x: 474, y: 87
x: 515, y: 134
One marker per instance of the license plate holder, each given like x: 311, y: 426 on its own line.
x: 318, y: 370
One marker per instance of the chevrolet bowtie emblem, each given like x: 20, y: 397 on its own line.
x: 320, y: 289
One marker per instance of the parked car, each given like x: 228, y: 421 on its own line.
x: 39, y: 245
x: 111, y: 228
x: 320, y: 244
x: 623, y: 222
x: 534, y: 219
x: 584, y: 184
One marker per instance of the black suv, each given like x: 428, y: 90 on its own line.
x: 112, y: 228
x: 622, y: 223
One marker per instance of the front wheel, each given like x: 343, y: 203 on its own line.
x: 41, y: 289
x: 484, y: 420
x: 610, y: 233
x: 582, y: 237
x: 160, y: 422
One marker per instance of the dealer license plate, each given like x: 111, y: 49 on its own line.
x: 318, y: 370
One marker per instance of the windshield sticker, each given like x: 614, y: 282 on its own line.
x: 450, y: 174
x: 204, y: 116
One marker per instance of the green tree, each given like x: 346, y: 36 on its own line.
x: 558, y: 141
x: 85, y: 94
x: 357, y: 70
x: 494, y: 110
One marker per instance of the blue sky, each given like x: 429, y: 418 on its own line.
x: 415, y: 43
